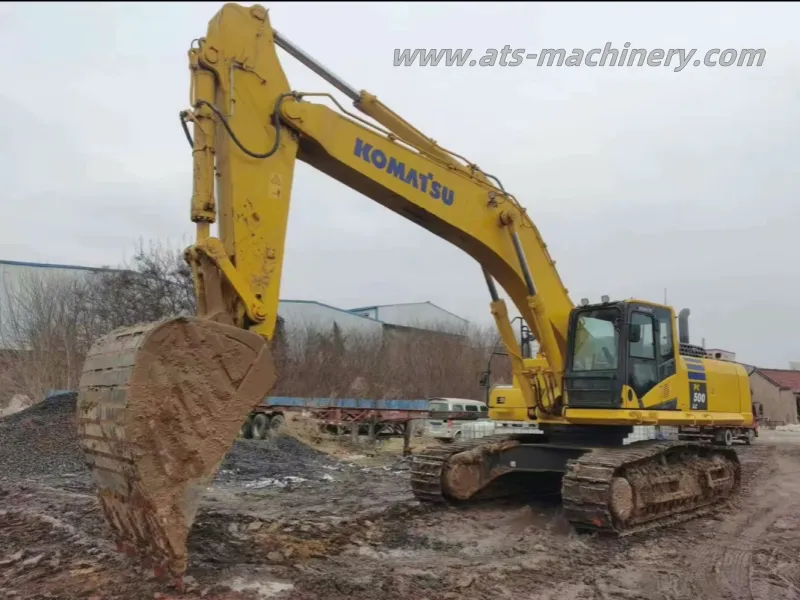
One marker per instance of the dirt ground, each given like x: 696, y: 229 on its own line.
x: 284, y: 521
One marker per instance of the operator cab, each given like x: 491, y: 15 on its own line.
x: 612, y: 344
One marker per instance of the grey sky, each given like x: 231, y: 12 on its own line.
x: 640, y: 179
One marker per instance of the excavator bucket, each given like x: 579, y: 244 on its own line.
x: 159, y: 407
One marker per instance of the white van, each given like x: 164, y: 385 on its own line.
x: 455, y: 429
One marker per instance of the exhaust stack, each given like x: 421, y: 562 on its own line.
x: 683, y: 326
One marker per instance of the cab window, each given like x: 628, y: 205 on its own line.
x: 666, y: 349
x: 595, y: 341
x: 645, y: 346
x: 643, y: 365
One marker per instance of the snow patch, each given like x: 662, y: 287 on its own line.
x: 791, y: 427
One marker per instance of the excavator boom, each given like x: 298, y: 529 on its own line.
x: 160, y: 404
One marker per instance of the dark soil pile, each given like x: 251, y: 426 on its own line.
x: 280, y: 457
x: 41, y: 442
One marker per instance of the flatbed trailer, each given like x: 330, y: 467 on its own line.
x: 375, y: 418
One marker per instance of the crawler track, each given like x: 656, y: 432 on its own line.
x: 649, y: 485
x: 620, y: 490
x: 426, y: 468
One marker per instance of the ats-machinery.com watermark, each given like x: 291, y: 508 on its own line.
x: 608, y: 56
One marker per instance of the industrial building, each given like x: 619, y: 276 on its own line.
x: 418, y: 315
x: 19, y: 284
x: 297, y: 316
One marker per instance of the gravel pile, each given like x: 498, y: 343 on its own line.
x: 277, y: 458
x: 41, y: 442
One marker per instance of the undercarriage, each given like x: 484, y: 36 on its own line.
x: 605, y: 487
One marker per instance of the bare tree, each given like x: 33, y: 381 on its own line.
x: 156, y: 284
x: 46, y: 330
x: 49, y: 318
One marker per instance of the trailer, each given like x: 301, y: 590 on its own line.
x: 374, y: 418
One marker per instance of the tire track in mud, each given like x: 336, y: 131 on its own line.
x: 735, y: 564
x: 725, y: 563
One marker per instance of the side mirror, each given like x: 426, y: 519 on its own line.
x: 634, y: 333
x: 484, y: 378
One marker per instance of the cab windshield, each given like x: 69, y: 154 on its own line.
x: 596, y: 346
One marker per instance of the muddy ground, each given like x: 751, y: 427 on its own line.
x: 284, y: 521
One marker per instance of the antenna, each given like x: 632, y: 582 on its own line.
x: 665, y: 295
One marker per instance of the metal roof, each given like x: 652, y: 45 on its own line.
x: 17, y: 263
x: 341, y: 310
x: 360, y: 308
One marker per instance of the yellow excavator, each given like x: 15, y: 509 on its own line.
x: 161, y: 404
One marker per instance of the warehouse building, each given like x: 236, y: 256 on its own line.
x: 20, y: 284
x: 417, y: 315
x: 298, y: 317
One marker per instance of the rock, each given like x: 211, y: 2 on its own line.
x: 17, y: 556
x: 274, y: 556
x: 254, y: 526
x: 32, y: 561
x: 350, y: 550
x: 288, y: 552
x: 54, y: 563
x: 233, y: 528
x: 465, y: 582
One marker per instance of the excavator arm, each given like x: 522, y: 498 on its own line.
x: 160, y: 404
x: 247, y: 118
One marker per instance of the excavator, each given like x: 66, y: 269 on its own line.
x: 161, y: 404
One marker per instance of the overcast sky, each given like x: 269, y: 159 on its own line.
x: 639, y: 178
